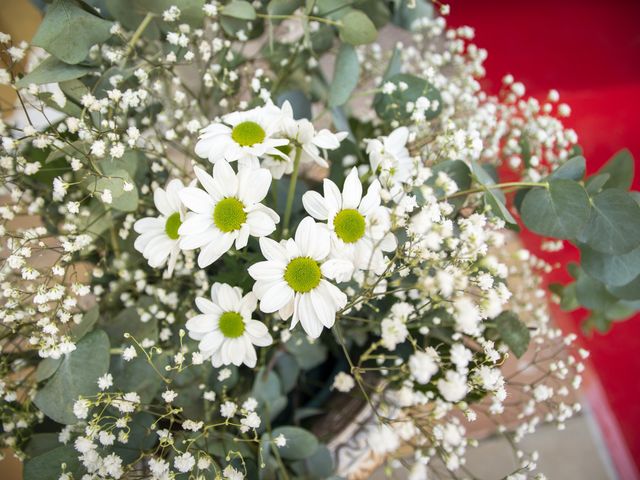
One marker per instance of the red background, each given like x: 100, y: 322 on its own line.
x: 590, y: 52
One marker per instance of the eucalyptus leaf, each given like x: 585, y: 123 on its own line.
x: 393, y: 106
x: 69, y: 31
x: 572, y: 169
x: 407, y: 13
x: 357, y: 29
x: 561, y: 210
x: 288, y: 371
x: 300, y: 104
x: 283, y: 7
x: 48, y: 466
x: 345, y: 76
x: 592, y: 293
x: 612, y: 270
x: 239, y: 9
x: 596, y: 183
x: 630, y: 291
x: 47, y: 367
x: 494, y: 197
x: 76, y: 376
x: 301, y: 443
x: 115, y: 182
x: 52, y: 70
x: 89, y: 319
x: 614, y: 224
x: 308, y: 353
x: 620, y: 169
x: 513, y: 332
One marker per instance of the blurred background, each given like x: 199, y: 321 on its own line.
x: 589, y: 50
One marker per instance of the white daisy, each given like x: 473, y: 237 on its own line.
x: 301, y: 134
x: 227, y: 210
x: 225, y: 329
x: 293, y: 281
x: 159, y: 238
x: 243, y: 136
x: 390, y: 158
x: 360, y: 226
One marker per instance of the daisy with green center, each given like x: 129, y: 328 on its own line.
x: 301, y: 134
x: 360, y: 226
x: 228, y: 210
x: 390, y: 159
x: 293, y: 279
x: 159, y: 239
x: 225, y: 329
x: 241, y: 136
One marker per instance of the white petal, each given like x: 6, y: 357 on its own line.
x: 143, y: 240
x: 260, y: 223
x: 214, y: 250
x: 268, y: 271
x: 173, y: 187
x: 325, y: 139
x: 243, y: 236
x: 211, y: 341
x: 398, y: 138
x: 195, y: 224
x: 371, y: 200
x: 148, y: 223
x: 250, y: 357
x: 207, y: 306
x: 198, y: 240
x: 338, y: 296
x: 253, y: 185
x: 225, y: 179
x: 308, y: 317
x: 161, y: 201
x: 272, y: 250
x: 256, y: 328
x: 235, y: 350
x: 305, y: 235
x: 286, y: 311
x: 276, y: 297
x: 196, y: 200
x: 352, y: 190
x: 248, y: 305
x: 202, y: 323
x: 228, y: 298
x: 323, y: 305
x: 338, y: 269
x: 314, y: 204
x: 208, y: 184
x: 332, y: 197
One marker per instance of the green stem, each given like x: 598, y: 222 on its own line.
x: 497, y: 185
x: 138, y: 33
x: 292, y: 192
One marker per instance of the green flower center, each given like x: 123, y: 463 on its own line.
x: 303, y: 274
x: 248, y: 133
x: 231, y: 324
x: 349, y: 225
x: 172, y: 226
x: 229, y: 214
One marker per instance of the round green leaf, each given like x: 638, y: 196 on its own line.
x: 52, y: 70
x: 630, y: 291
x: 561, y: 210
x: 69, y: 31
x: 592, y: 294
x: 76, y: 376
x: 614, y: 225
x: 239, y: 9
x: 301, y: 443
x: 409, y: 88
x: 357, y: 29
x: 572, y: 169
x: 513, y: 332
x: 613, y: 270
x: 48, y: 466
x: 345, y: 75
x: 620, y: 169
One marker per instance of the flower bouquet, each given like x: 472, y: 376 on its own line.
x: 244, y: 240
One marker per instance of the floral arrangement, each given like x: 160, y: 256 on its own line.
x: 227, y: 224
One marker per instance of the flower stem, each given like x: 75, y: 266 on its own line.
x: 484, y: 188
x: 292, y: 192
x: 138, y: 33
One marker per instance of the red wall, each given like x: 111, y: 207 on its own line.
x: 589, y: 51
